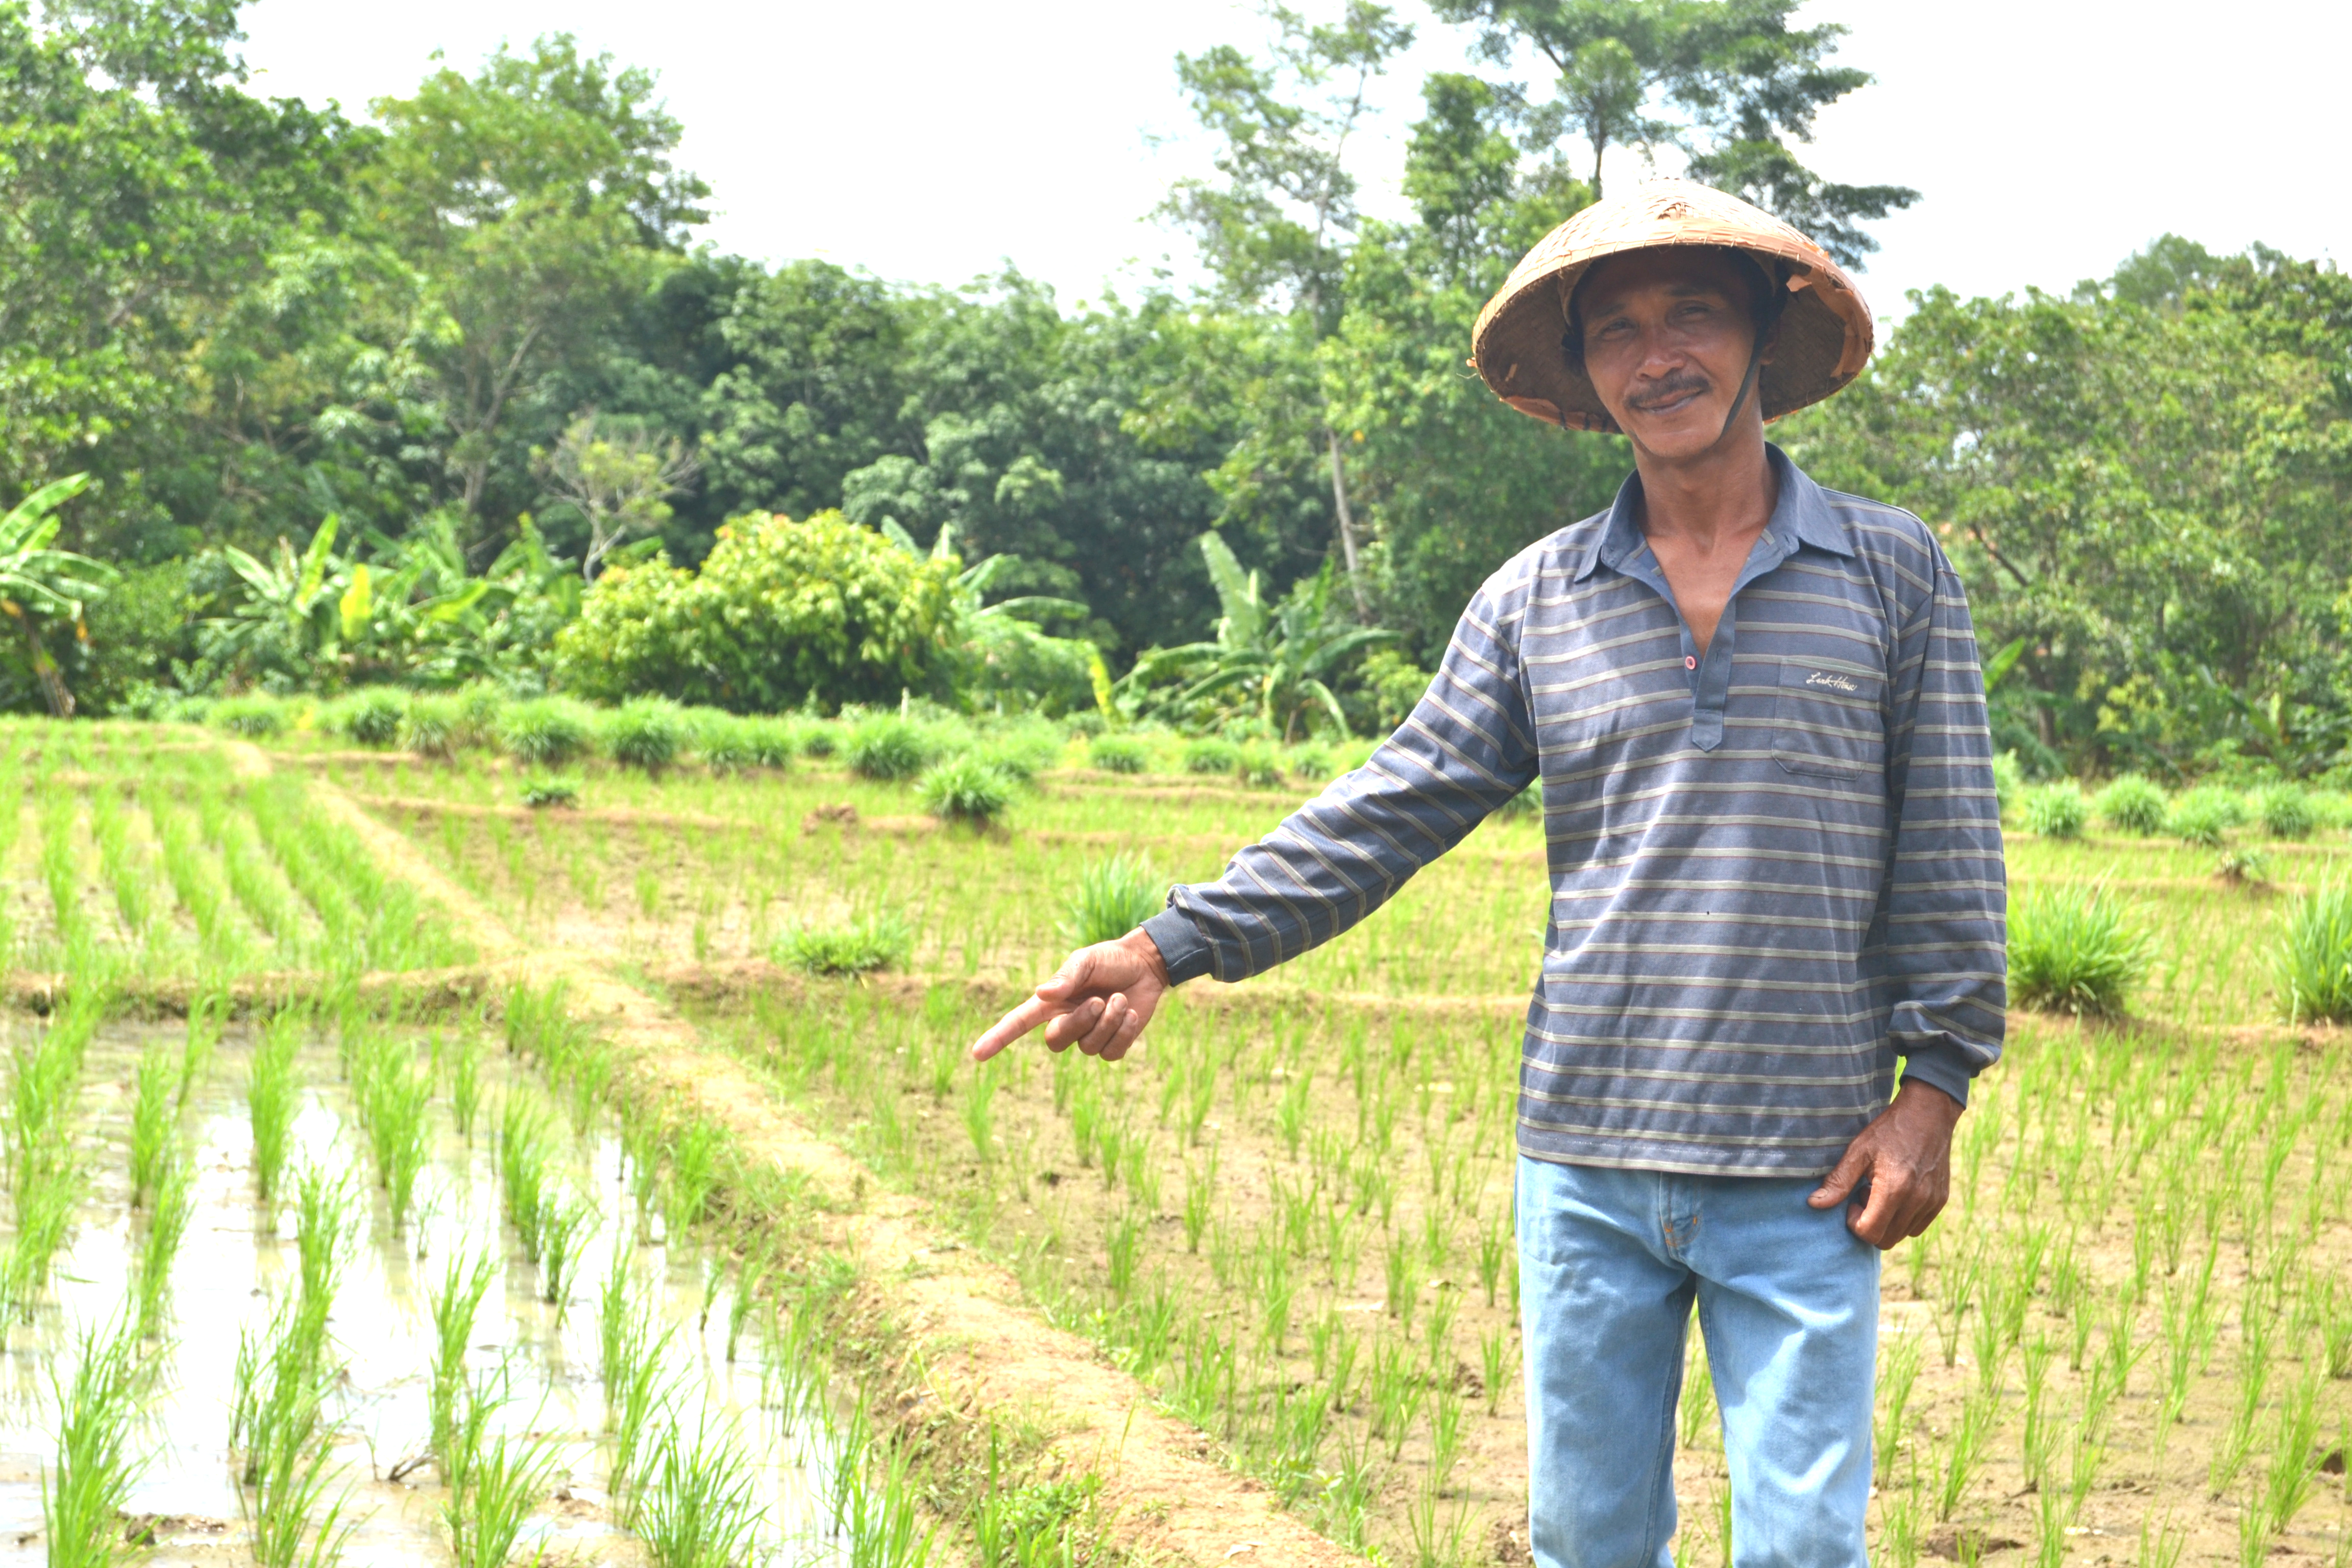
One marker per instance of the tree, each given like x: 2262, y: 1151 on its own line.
x: 618, y: 478
x: 1276, y: 230
x: 1729, y: 83
x: 41, y: 585
x: 538, y: 198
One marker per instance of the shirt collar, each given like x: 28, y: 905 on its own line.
x: 1801, y: 516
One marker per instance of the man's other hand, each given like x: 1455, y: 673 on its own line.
x: 1907, y: 1157
x: 1099, y: 1001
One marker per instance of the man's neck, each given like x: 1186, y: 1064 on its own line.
x: 1718, y: 498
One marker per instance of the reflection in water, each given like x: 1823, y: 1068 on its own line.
x: 232, y: 1270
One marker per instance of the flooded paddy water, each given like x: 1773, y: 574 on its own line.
x: 721, y: 1425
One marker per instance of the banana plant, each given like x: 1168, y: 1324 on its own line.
x: 1273, y: 663
x: 40, y: 586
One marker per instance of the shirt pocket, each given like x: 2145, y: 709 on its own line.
x: 1829, y: 720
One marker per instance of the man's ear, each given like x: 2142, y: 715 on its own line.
x: 1771, y: 341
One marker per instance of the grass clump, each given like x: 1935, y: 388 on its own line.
x: 861, y: 947
x: 541, y: 792
x: 644, y: 733
x: 2075, y: 950
x: 1210, y: 755
x: 255, y: 718
x: 2202, y: 816
x: 2056, y: 811
x: 724, y: 743
x: 2314, y: 968
x: 886, y: 749
x: 2132, y: 805
x: 433, y: 726
x: 2285, y: 811
x: 546, y: 733
x: 1259, y: 767
x: 965, y: 789
x: 1313, y: 764
x: 373, y: 717
x: 1113, y: 898
x: 1118, y: 755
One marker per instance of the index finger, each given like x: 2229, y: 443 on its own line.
x: 1011, y: 1026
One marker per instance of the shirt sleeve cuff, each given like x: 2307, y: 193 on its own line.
x: 1182, y: 946
x: 1943, y: 1066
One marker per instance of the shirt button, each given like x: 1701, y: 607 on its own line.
x: 1689, y: 663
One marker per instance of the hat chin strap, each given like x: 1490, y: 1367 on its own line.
x: 1747, y: 383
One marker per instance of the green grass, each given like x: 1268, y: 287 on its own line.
x: 861, y: 947
x: 886, y: 749
x: 540, y: 793
x: 645, y: 733
x: 272, y: 1095
x: 497, y: 1484
x: 2315, y: 963
x: 2056, y: 811
x: 2284, y: 811
x: 2075, y: 950
x: 1112, y: 898
x: 965, y: 789
x: 455, y: 1301
x: 154, y: 1123
x: 700, y: 1508
x: 173, y: 1203
x: 2204, y: 815
x: 548, y: 732
x: 1119, y: 754
x: 1211, y: 756
x: 373, y: 717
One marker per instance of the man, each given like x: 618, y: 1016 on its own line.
x: 1756, y: 711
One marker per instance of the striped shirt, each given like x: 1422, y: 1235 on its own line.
x: 1774, y: 867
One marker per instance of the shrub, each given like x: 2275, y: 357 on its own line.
x: 1113, y: 897
x: 820, y: 740
x: 2285, y: 811
x: 965, y: 789
x: 1312, y: 763
x: 538, y: 794
x: 255, y: 718
x: 2132, y: 805
x: 546, y: 733
x: 374, y: 719
x: 2056, y: 811
x: 1259, y: 766
x: 1119, y: 754
x: 2202, y: 816
x: 430, y: 727
x: 861, y: 947
x: 779, y: 612
x: 2008, y: 780
x: 646, y: 732
x: 887, y: 748
x: 2075, y: 950
x: 482, y: 710
x: 1210, y: 755
x: 2315, y: 965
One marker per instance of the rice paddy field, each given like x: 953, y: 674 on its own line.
x: 1286, y: 1218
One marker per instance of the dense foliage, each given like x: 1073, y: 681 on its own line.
x: 399, y: 402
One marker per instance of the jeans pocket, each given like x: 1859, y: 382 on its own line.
x: 1829, y: 720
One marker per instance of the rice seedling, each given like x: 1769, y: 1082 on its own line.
x: 271, y: 1096
x: 327, y: 1230
x: 464, y: 1081
x: 875, y: 941
x: 173, y: 1202
x: 1111, y: 897
x: 634, y: 1393
x: 454, y: 1302
x: 391, y: 1100
x: 523, y: 1157
x: 84, y: 1488
x: 45, y: 1193
x: 2056, y: 811
x: 965, y: 789
x: 2315, y: 961
x: 565, y: 1225
x: 497, y: 1483
x: 2075, y: 950
x: 886, y: 749
x: 153, y: 1104
x: 205, y: 1013
x: 644, y: 733
x: 700, y: 1508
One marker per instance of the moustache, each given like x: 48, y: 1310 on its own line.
x: 1668, y: 389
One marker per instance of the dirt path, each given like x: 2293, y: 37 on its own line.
x: 980, y: 1339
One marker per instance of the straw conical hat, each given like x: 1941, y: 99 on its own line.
x: 1825, y: 328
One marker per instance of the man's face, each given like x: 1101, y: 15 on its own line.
x: 1666, y: 337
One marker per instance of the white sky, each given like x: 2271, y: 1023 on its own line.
x: 932, y: 141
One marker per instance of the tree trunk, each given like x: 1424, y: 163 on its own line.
x: 44, y: 671
x: 1347, y: 525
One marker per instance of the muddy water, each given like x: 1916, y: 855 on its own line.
x: 232, y: 1268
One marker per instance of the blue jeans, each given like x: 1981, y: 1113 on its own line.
x: 1610, y: 1263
